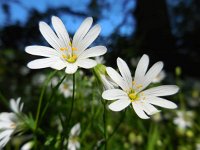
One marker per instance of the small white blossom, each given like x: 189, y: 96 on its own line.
x: 10, y: 122
x: 66, y: 53
x: 73, y: 143
x: 28, y: 146
x: 133, y: 90
x: 184, y: 119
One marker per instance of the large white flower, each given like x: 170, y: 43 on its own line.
x: 10, y: 122
x: 73, y: 143
x: 66, y: 53
x: 133, y: 91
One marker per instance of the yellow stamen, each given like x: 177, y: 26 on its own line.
x: 139, y: 86
x: 74, y: 48
x: 70, y: 44
x: 72, y: 59
x: 63, y: 48
x: 64, y: 56
x: 133, y: 82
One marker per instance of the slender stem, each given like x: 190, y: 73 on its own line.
x: 104, y: 125
x: 51, y: 97
x: 41, y: 98
x: 4, y: 99
x: 72, y: 107
x: 117, y: 126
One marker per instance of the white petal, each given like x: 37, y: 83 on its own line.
x: 59, y: 64
x: 163, y: 90
x: 42, y: 51
x: 114, y: 94
x: 89, y: 38
x: 6, y: 138
x: 50, y: 36
x: 41, y: 63
x: 15, y: 105
x: 125, y: 72
x: 139, y: 110
x: 161, y: 102
x: 71, y: 68
x: 86, y: 63
x: 119, y: 104
x: 141, y: 69
x: 148, y: 108
x: 151, y: 74
x: 82, y: 30
x: 60, y: 29
x: 76, y: 129
x: 27, y: 146
x: 93, y: 52
x: 114, y: 75
x: 7, y: 117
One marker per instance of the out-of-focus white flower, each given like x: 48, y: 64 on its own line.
x: 100, y: 60
x: 66, y: 53
x: 10, y: 122
x: 16, y: 106
x: 184, y: 119
x: 66, y: 88
x: 197, y: 146
x: 73, y: 143
x: 28, y: 146
x: 133, y: 91
x: 38, y: 79
x: 159, y: 77
x: 24, y: 70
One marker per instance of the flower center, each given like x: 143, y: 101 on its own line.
x: 133, y: 95
x: 70, y: 58
x: 13, y: 126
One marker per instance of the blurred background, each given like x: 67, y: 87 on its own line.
x: 167, y: 30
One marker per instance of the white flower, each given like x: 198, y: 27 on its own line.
x: 28, y: 146
x: 10, y: 122
x: 66, y: 88
x: 107, y: 82
x: 159, y: 77
x: 64, y: 52
x: 184, y: 119
x: 133, y: 91
x: 16, y: 106
x: 73, y: 143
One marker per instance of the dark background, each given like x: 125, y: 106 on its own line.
x: 165, y: 30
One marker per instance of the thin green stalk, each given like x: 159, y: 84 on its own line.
x: 105, y: 124
x: 71, y: 110
x: 3, y: 99
x: 117, y: 126
x: 41, y: 98
x: 51, y: 97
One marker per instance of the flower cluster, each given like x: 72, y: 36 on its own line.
x: 11, y: 123
x: 75, y: 53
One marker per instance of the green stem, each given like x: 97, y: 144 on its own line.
x: 41, y: 98
x: 104, y: 125
x: 71, y: 110
x: 117, y: 126
x: 4, y: 99
x: 51, y: 97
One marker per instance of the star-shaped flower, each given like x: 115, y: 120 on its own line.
x: 64, y: 52
x: 10, y: 122
x: 133, y: 91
